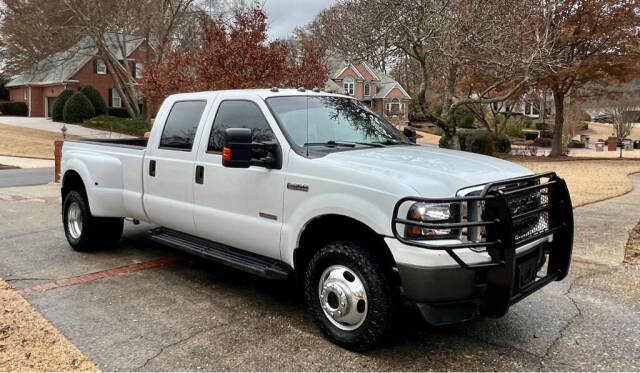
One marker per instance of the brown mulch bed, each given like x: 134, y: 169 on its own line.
x: 30, y: 343
x: 632, y: 252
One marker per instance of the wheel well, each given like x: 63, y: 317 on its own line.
x: 327, y: 228
x: 71, y: 181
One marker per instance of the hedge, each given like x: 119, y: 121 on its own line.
x: 14, y: 108
x: 77, y: 109
x: 58, y: 106
x: 135, y: 127
x: 481, y: 141
x: 576, y: 144
x: 96, y: 99
x: 119, y: 112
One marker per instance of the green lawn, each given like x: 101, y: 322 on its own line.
x: 134, y: 127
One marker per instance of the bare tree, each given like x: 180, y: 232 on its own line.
x: 625, y: 112
x: 504, y: 41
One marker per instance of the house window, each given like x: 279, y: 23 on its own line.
x: 116, y: 101
x: 101, y: 67
x: 138, y: 70
x: 367, y: 90
x: 395, y: 105
x: 348, y: 85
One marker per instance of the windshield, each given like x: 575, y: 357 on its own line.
x: 317, y: 121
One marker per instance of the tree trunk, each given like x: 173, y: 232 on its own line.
x: 424, y: 83
x: 449, y: 125
x: 558, y: 102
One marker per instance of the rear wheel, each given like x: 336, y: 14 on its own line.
x: 349, y: 294
x: 85, y: 232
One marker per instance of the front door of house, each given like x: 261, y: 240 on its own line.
x: 50, y: 102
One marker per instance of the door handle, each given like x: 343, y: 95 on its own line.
x: 152, y: 167
x: 199, y: 174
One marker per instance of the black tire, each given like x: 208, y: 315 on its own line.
x: 377, y: 284
x: 94, y: 233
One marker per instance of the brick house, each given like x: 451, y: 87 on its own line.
x: 373, y: 87
x: 77, y: 67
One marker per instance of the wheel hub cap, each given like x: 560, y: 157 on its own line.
x: 74, y: 220
x: 343, y: 297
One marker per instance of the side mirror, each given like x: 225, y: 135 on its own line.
x: 239, y: 150
x: 236, y: 150
x: 410, y: 132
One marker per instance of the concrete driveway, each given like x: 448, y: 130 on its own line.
x: 144, y: 307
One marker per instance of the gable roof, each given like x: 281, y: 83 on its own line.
x: 62, y: 66
x: 348, y: 66
x: 384, y: 83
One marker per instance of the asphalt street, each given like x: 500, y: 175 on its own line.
x: 194, y: 315
x: 25, y: 176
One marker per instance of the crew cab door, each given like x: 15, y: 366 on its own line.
x: 168, y: 170
x: 238, y: 207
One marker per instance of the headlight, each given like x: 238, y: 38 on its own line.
x: 437, y: 213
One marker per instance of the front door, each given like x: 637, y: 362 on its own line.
x: 239, y: 207
x: 50, y: 102
x: 169, y: 167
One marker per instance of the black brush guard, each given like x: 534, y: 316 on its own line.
x: 499, y: 219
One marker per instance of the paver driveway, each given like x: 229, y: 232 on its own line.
x: 193, y: 315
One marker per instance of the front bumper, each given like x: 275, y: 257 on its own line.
x: 462, y: 280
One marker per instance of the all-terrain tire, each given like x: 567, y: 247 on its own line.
x: 86, y: 232
x: 378, y: 286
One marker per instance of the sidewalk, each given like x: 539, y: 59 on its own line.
x: 45, y: 124
x: 23, y: 162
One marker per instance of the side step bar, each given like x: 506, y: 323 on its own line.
x: 243, y: 260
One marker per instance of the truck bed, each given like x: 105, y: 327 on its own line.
x: 138, y: 142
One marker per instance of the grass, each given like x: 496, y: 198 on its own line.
x: 30, y: 343
x: 588, y: 180
x: 27, y: 142
x: 134, y: 127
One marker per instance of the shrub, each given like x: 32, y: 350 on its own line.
x: 58, y: 106
x: 77, y: 109
x: 14, y: 108
x: 530, y: 135
x: 542, y: 142
x: 119, y: 112
x: 576, y: 144
x: 134, y: 127
x: 542, y: 126
x: 96, y: 99
x: 514, y: 127
x: 546, y: 134
x: 479, y: 142
x: 463, y: 117
x: 503, y: 144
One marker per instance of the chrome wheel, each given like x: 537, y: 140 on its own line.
x: 343, y: 297
x: 74, y: 220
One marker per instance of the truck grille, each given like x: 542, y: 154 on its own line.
x: 529, y: 212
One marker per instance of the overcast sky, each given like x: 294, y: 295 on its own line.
x: 285, y: 15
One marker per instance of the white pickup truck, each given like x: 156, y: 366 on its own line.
x: 317, y: 187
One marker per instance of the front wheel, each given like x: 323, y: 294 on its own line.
x: 85, y: 232
x: 349, y: 294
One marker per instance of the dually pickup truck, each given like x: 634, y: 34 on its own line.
x: 316, y: 187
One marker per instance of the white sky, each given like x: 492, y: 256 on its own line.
x: 285, y: 15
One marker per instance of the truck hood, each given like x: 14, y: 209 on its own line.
x: 430, y: 171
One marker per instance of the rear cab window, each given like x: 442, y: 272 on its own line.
x: 180, y: 128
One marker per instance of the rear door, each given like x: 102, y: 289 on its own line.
x: 239, y: 207
x: 169, y: 165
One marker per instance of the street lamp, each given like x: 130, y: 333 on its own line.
x: 64, y: 131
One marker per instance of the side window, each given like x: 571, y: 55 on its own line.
x: 181, y: 126
x: 239, y: 114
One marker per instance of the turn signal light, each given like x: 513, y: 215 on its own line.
x: 226, y: 154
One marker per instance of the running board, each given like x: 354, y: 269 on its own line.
x: 243, y: 260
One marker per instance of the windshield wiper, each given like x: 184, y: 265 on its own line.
x: 331, y: 144
x: 394, y: 142
x: 351, y: 144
